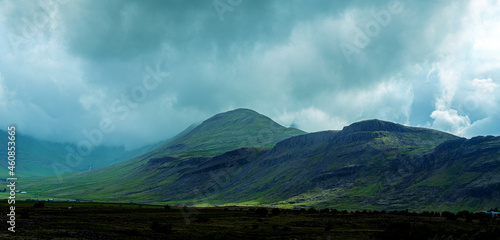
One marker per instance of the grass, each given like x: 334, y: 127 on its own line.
x: 367, y: 191
x: 446, y: 177
x: 84, y: 220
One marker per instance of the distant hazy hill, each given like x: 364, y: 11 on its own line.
x: 368, y: 165
x: 43, y: 158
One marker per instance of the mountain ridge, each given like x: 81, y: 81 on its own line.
x: 374, y: 125
x: 228, y: 129
x: 370, y: 164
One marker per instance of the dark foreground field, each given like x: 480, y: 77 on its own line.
x: 57, y: 220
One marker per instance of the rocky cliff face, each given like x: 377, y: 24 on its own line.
x: 305, y: 140
x: 372, y: 163
x: 478, y: 154
x: 477, y: 158
x: 458, y: 173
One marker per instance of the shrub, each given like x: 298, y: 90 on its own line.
x: 161, y: 228
x: 464, y: 214
x: 167, y: 207
x: 25, y: 214
x: 202, y: 220
x: 483, y: 217
x: 132, y: 232
x: 275, y: 227
x: 262, y: 212
x: 312, y: 211
x: 325, y: 210
x: 400, y: 230
x: 276, y: 211
x: 39, y: 205
x: 449, y: 215
x: 328, y: 226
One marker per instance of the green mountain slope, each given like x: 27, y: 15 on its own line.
x: 221, y: 133
x: 227, y: 131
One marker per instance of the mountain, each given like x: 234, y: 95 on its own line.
x: 216, y: 135
x: 227, y: 131
x: 368, y: 165
x: 44, y: 158
x: 371, y: 164
x: 327, y: 163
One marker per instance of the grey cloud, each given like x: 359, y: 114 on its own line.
x: 266, y: 55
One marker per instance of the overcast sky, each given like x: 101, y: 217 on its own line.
x: 142, y: 71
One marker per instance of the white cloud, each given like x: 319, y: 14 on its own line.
x: 449, y: 120
x: 485, y: 126
x: 389, y: 100
x: 464, y: 105
x: 485, y: 94
x: 310, y: 120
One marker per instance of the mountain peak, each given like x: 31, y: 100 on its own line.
x: 375, y: 125
x: 240, y: 113
x: 227, y: 131
x: 240, y: 110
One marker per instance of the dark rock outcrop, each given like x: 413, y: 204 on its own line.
x: 375, y: 125
x: 305, y: 140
